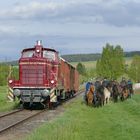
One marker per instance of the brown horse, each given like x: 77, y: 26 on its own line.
x: 90, y: 95
x: 124, y: 94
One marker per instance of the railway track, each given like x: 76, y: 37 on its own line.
x: 8, y: 121
x: 10, y: 113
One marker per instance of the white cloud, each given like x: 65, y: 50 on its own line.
x: 114, y: 12
x: 70, y: 26
x: 30, y: 10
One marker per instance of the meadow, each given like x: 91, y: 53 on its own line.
x: 5, y: 105
x: 92, y: 64
x: 128, y: 60
x: 88, y: 64
x: 119, y: 121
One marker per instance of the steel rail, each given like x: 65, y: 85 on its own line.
x: 29, y: 117
x: 10, y: 113
x: 21, y: 121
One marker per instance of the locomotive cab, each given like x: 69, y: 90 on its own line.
x: 38, y: 70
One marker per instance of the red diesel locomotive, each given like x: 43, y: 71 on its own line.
x: 44, y: 77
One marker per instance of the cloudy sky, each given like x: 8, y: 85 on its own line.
x: 69, y: 26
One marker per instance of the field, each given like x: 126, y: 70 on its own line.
x: 128, y: 61
x: 119, y: 121
x: 92, y: 64
x: 4, y: 104
x: 88, y: 64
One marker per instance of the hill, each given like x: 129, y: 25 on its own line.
x: 92, y: 57
x: 131, y: 54
x: 83, y: 57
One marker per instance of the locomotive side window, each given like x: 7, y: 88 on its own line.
x: 49, y: 55
x: 28, y: 54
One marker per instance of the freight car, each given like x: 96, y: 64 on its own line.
x: 44, y: 77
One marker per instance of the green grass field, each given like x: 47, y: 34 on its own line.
x: 115, y: 121
x: 92, y: 64
x: 88, y: 64
x: 4, y: 104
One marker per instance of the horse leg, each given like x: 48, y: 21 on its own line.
x: 86, y: 99
x: 88, y: 102
x: 116, y: 98
x: 101, y: 103
x: 105, y: 100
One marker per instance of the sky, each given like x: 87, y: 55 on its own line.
x: 69, y: 26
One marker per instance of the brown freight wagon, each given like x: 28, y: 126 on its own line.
x: 69, y: 78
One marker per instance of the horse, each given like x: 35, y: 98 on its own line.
x: 107, y: 94
x: 115, y: 92
x: 130, y: 88
x: 124, y: 93
x: 99, y: 96
x: 90, y: 95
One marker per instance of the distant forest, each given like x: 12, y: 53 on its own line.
x: 92, y: 57
x: 84, y: 57
x: 81, y: 57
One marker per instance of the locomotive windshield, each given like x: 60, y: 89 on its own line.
x: 49, y: 55
x: 28, y: 53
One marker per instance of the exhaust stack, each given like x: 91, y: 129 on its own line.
x: 39, y: 42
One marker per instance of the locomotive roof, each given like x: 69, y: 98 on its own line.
x: 48, y: 49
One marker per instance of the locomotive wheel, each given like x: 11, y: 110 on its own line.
x: 26, y: 105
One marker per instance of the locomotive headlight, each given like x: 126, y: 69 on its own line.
x: 16, y: 92
x: 45, y: 93
x: 37, y: 51
x: 10, y: 81
x: 52, y: 81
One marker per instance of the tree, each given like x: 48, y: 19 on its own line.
x: 111, y: 64
x: 4, y: 72
x: 81, y: 68
x: 134, y: 70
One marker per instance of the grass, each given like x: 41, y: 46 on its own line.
x: 119, y: 121
x: 4, y: 104
x: 92, y: 64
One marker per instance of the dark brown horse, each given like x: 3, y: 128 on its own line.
x: 116, y: 90
x: 100, y: 98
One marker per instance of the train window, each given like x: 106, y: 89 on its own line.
x: 49, y: 55
x: 28, y: 54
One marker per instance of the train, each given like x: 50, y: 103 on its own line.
x: 44, y: 77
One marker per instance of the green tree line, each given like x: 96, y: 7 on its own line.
x: 92, y: 56
x: 134, y: 70
x: 111, y: 65
x: 81, y: 57
x: 5, y: 71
